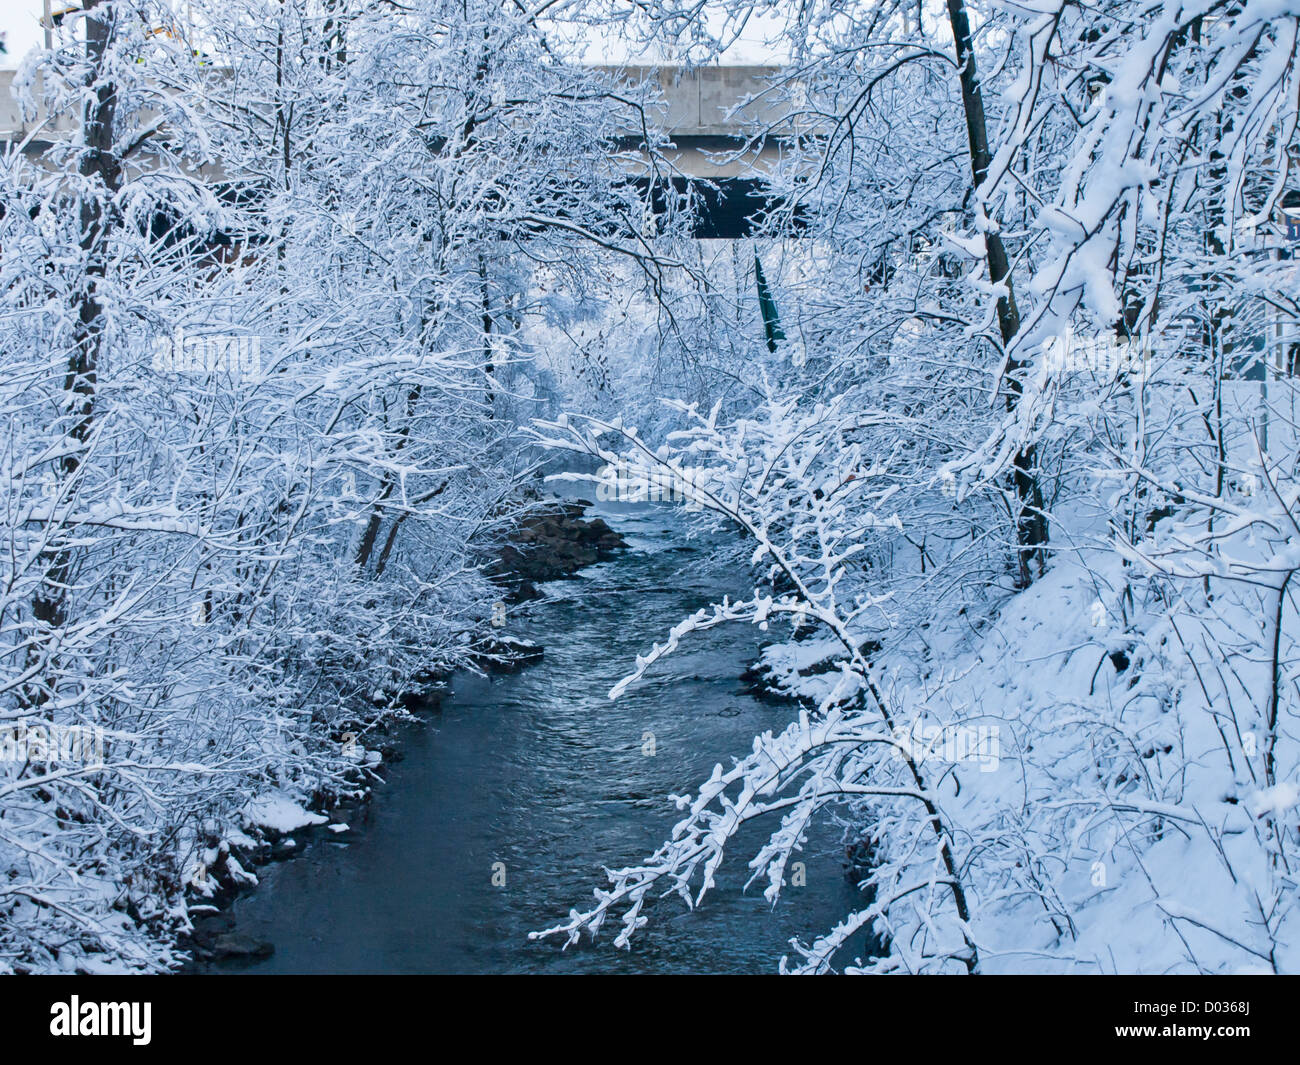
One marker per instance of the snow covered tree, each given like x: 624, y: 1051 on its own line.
x: 1106, y: 371
x: 258, y: 301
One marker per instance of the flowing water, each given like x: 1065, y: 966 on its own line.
x: 539, y: 779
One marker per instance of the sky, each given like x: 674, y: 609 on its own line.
x: 20, y: 22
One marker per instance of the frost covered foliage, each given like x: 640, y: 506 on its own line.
x: 1029, y: 481
x: 681, y: 323
x: 256, y: 296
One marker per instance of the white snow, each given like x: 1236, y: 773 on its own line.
x: 280, y: 813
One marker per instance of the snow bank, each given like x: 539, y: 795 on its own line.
x: 280, y: 813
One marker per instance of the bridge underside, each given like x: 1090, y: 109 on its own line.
x: 719, y: 208
x: 723, y: 208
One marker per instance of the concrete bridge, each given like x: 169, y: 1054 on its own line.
x: 705, y: 115
x: 706, y: 112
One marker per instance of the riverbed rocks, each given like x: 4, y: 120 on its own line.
x: 782, y: 670
x: 284, y: 848
x: 236, y: 946
x: 213, y: 938
x: 507, y: 654
x: 553, y: 542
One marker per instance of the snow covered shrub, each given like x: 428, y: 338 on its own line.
x: 220, y: 563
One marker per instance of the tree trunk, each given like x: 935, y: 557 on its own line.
x: 100, y: 166
x: 1031, y: 522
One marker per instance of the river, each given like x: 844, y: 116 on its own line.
x: 539, y: 779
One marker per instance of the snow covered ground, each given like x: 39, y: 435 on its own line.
x: 1102, y: 779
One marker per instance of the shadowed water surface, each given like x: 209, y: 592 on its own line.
x: 543, y: 773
